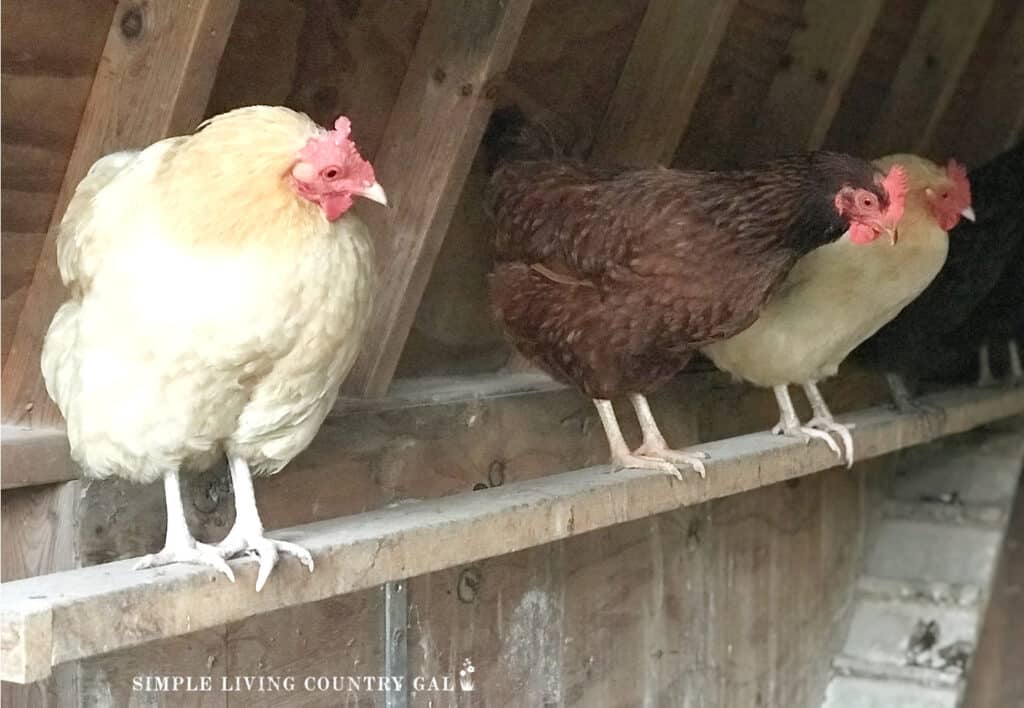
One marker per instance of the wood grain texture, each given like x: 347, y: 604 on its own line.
x: 927, y: 76
x: 49, y: 56
x: 406, y: 540
x: 986, y: 114
x: 562, y: 73
x: 428, y: 145
x: 873, y: 77
x: 34, y: 457
x: 659, y: 85
x: 995, y: 678
x: 818, y: 65
x: 154, y: 79
x: 658, y: 611
x: 755, y: 44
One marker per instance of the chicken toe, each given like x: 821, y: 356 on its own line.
x: 266, y: 550
x: 806, y: 434
x: 635, y: 461
x: 179, y: 545
x: 693, y: 458
x: 194, y: 552
x: 654, y: 445
x: 843, y: 431
x: 789, y: 424
x: 246, y: 536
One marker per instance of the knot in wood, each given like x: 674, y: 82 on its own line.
x: 468, y: 586
x: 132, y: 22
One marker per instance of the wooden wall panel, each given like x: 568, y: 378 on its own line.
x: 754, y: 48
x: 726, y: 604
x: 50, y: 52
x: 563, y: 73
x: 986, y: 113
x: 874, y: 75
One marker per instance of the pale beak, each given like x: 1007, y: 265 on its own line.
x: 969, y: 214
x: 374, y: 193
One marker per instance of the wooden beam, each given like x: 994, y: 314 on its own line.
x: 426, y: 152
x: 34, y: 457
x: 663, y: 76
x: 997, y: 111
x: 927, y: 76
x: 806, y: 91
x: 153, y: 80
x: 84, y: 608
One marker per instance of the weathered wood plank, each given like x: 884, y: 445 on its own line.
x: 927, y: 76
x: 153, y: 80
x: 818, y: 66
x: 425, y: 155
x: 996, y: 118
x: 42, y: 456
x: 34, y: 457
x: 413, y: 538
x: 660, y: 83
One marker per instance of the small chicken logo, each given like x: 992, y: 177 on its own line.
x: 466, y: 682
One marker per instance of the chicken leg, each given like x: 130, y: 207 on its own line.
x: 179, y: 545
x: 246, y: 536
x: 985, y: 377
x: 789, y: 424
x: 1016, y: 370
x: 654, y: 444
x: 823, y: 419
x: 621, y: 456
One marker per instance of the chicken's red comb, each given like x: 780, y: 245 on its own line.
x: 334, y: 149
x: 896, y: 185
x: 958, y: 175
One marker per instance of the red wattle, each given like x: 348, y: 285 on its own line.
x: 860, y: 234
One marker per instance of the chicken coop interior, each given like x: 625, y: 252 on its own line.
x: 469, y: 534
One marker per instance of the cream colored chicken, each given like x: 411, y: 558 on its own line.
x: 219, y: 292
x: 840, y: 294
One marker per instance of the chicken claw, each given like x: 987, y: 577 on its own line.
x: 633, y: 461
x: 266, y: 550
x: 843, y: 431
x: 194, y: 552
x: 694, y: 458
x: 806, y: 434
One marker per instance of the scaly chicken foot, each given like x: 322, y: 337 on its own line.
x: 985, y: 377
x: 246, y: 535
x: 621, y: 456
x: 1016, y: 369
x: 179, y: 544
x: 654, y: 444
x: 789, y: 424
x: 824, y: 420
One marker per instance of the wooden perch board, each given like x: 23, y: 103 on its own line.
x: 56, y: 618
x: 818, y: 66
x: 927, y: 76
x: 661, y: 81
x: 429, y: 143
x: 153, y: 80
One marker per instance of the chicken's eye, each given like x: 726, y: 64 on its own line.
x: 945, y: 195
x: 330, y: 173
x: 867, y: 201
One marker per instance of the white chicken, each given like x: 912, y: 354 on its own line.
x: 219, y: 293
x: 840, y: 294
